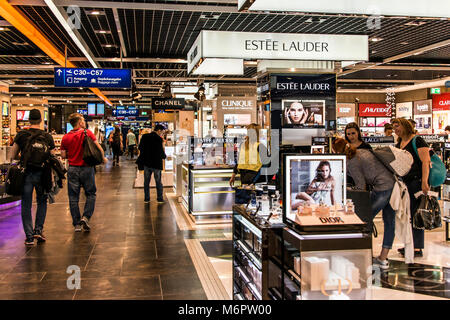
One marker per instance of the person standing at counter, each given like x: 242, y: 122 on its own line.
x: 417, y: 178
x: 249, y: 159
x: 367, y: 170
x: 447, y: 130
x: 151, y: 156
x: 353, y: 136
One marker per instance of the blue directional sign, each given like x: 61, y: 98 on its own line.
x: 447, y: 84
x: 92, y: 78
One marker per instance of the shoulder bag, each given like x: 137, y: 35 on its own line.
x: 438, y: 172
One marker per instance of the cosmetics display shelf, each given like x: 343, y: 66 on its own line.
x: 4, y: 197
x: 254, y: 272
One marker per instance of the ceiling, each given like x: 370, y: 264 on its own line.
x: 154, y: 37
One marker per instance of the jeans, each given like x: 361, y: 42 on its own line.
x: 418, y: 234
x: 78, y: 177
x: 116, y: 153
x: 131, y: 151
x: 33, y: 181
x: 380, y: 201
x: 147, y: 177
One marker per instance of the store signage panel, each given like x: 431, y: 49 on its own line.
x: 233, y: 104
x: 214, y: 66
x: 404, y: 110
x: 314, y: 85
x: 168, y: 104
x: 431, y: 138
x: 317, y: 221
x: 435, y: 90
x: 422, y: 107
x: 378, y: 139
x: 374, y: 110
x: 121, y: 112
x: 345, y: 110
x: 92, y: 78
x: 83, y: 112
x: 441, y: 102
x: 283, y: 46
x: 195, y: 53
x: 430, y: 8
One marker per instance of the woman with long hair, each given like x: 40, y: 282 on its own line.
x: 116, y: 141
x: 353, y: 136
x: 417, y: 178
x: 321, y: 188
x: 366, y: 170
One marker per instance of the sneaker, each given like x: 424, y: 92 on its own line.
x: 160, y: 201
x: 85, y: 223
x: 417, y: 253
x: 382, y: 264
x: 39, y: 236
x: 146, y: 201
x: 78, y: 228
x: 29, y: 241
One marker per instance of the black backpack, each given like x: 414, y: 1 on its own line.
x: 36, y: 151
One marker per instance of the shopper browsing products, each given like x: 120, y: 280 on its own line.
x: 353, y: 136
x: 131, y: 143
x: 79, y: 175
x: 151, y: 156
x: 34, y: 146
x: 417, y: 178
x: 367, y: 170
x: 116, y: 141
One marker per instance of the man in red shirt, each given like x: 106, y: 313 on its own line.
x: 79, y: 173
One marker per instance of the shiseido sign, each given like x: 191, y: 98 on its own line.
x: 237, y: 104
x: 374, y: 110
x: 167, y: 104
x: 422, y: 107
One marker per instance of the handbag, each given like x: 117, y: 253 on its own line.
x: 438, y: 172
x: 140, y: 163
x: 428, y: 214
x: 15, y: 180
x: 91, y: 154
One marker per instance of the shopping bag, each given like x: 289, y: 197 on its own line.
x: 428, y: 214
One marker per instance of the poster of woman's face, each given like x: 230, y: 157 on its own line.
x: 303, y: 113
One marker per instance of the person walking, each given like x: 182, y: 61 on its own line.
x: 152, y: 155
x: 79, y: 175
x: 116, y: 141
x: 131, y: 143
x: 367, y: 170
x: 417, y: 178
x: 34, y: 146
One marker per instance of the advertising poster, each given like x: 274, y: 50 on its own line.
x: 303, y: 113
x: 314, y: 180
x: 404, y: 110
x: 23, y: 115
x: 5, y: 109
x: 441, y: 112
x: 423, y: 116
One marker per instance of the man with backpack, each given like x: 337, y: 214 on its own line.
x: 79, y: 174
x: 35, y: 147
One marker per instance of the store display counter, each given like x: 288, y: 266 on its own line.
x: 205, y: 190
x: 6, y: 201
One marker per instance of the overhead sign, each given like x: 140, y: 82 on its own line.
x: 441, y: 102
x: 92, y: 78
x: 430, y: 8
x: 168, y: 104
x: 374, y: 110
x: 435, y: 90
x: 404, y: 110
x: 277, y: 46
x: 121, y: 112
x: 306, y: 84
x: 422, y: 107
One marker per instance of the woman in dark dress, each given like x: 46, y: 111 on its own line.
x: 353, y: 136
x: 116, y: 141
x: 417, y: 178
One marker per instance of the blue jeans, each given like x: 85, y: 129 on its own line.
x: 78, y: 177
x: 147, y: 177
x: 380, y: 201
x: 33, y: 181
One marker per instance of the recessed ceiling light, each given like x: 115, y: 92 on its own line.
x: 3, y: 29
x: 404, y: 42
x: 415, y: 23
x: 375, y: 39
x: 374, y: 51
x: 107, y: 45
x: 102, y: 31
x: 95, y: 12
x: 20, y: 43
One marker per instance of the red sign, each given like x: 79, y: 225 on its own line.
x: 441, y: 102
x: 374, y: 110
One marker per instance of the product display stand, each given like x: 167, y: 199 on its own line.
x: 255, y: 270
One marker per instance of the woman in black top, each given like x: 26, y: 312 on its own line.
x: 353, y: 136
x: 116, y: 141
x: 417, y: 178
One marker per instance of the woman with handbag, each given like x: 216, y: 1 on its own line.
x: 367, y: 171
x: 417, y: 178
x: 116, y: 141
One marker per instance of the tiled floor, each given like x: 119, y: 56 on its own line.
x: 134, y: 251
